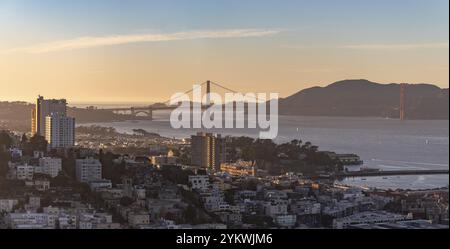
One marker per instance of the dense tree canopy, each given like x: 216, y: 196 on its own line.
x: 5, y: 140
x: 5, y: 157
x: 266, y: 154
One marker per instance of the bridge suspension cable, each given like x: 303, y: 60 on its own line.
x: 187, y: 92
x: 225, y: 88
x: 256, y: 98
x: 233, y: 91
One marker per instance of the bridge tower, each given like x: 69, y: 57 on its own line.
x: 402, y: 101
x: 208, y: 92
x: 150, y: 113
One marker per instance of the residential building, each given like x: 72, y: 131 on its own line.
x: 163, y: 160
x: 95, y: 221
x: 67, y: 221
x: 49, y: 166
x: 39, y: 184
x: 99, y: 185
x: 207, y: 150
x: 24, y: 172
x: 275, y: 208
x: 7, y: 205
x: 368, y: 217
x: 88, y: 169
x: 31, y: 220
x: 38, y: 154
x: 44, y: 108
x: 60, y: 131
x: 140, y: 218
x: 199, y: 182
x: 286, y: 220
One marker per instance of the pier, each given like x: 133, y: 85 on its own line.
x: 390, y: 173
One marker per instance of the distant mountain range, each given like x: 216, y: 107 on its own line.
x: 363, y: 98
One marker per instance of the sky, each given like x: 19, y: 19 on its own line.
x: 145, y: 51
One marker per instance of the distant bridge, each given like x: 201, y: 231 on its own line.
x: 148, y: 110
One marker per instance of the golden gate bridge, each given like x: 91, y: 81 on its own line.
x: 148, y: 110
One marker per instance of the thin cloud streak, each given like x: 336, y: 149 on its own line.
x: 396, y: 46
x: 92, y: 42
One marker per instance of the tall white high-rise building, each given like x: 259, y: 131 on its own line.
x: 60, y: 131
x: 88, y: 170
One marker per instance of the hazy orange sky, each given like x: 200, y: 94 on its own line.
x: 144, y: 51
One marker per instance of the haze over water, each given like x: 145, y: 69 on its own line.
x: 387, y: 144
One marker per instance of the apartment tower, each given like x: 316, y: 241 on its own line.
x: 207, y: 150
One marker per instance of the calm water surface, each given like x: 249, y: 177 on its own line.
x: 387, y: 144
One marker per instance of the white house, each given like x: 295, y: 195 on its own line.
x: 24, y: 172
x: 7, y: 205
x: 49, y: 166
x: 199, y: 182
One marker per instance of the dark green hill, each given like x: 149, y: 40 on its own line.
x: 365, y: 98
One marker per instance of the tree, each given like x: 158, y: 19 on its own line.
x: 248, y: 154
x: 24, y: 140
x: 5, y: 141
x: 5, y: 157
x: 35, y: 143
x: 126, y: 201
x: 293, y: 149
x: 60, y: 181
x: 190, y: 215
x: 176, y: 175
x: 69, y: 166
x: 110, y: 170
x: 265, y: 150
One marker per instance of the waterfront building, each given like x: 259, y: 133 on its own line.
x: 345, y: 159
x: 369, y: 217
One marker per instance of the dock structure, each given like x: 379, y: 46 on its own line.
x: 386, y: 173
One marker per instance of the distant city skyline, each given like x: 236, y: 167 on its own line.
x: 144, y: 51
